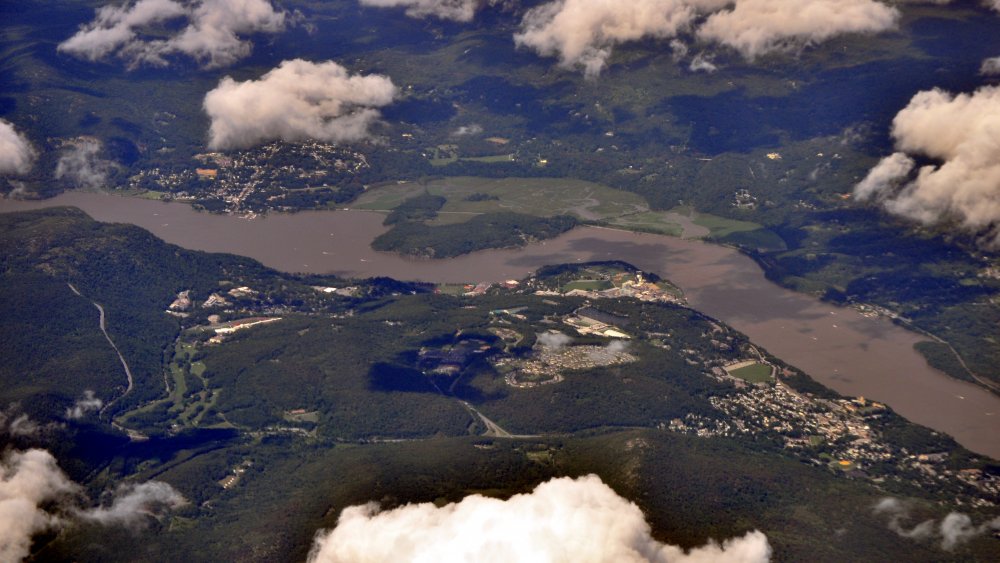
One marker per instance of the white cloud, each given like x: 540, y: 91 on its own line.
x: 963, y: 189
x: 703, y: 63
x: 613, y: 347
x: 36, y: 496
x: 618, y: 346
x: 554, y: 339
x: 134, y: 504
x: 897, y: 513
x: 81, y: 166
x: 957, y: 528
x: 295, y: 101
x: 23, y: 426
x: 582, y: 32
x: 953, y: 530
x: 114, y: 27
x: 758, y: 27
x: 18, y: 424
x: 886, y: 174
x: 212, y: 36
x: 579, y: 520
x: 990, y: 67
x: 87, y: 403
x: 678, y: 49
x: 465, y: 130
x: 16, y: 153
x: 457, y: 10
x: 28, y: 480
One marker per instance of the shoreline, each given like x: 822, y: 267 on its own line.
x: 837, y: 346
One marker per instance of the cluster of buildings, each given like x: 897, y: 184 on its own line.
x: 225, y: 329
x: 222, y: 302
x: 805, y: 422
x: 258, y: 179
x: 744, y: 199
x: 475, y: 290
x: 622, y: 285
x: 873, y: 311
x: 183, y: 304
x: 349, y: 291
x: 161, y: 180
x: 588, y: 321
x: 242, y: 324
x: 841, y: 434
x: 547, y: 363
x: 237, y: 472
x: 450, y: 359
x: 526, y: 373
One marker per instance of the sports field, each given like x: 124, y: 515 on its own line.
x: 755, y: 372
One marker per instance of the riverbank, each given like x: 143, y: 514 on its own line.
x: 842, y: 349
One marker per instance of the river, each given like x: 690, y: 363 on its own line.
x: 838, y: 347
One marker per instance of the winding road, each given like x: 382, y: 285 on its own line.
x: 128, y: 371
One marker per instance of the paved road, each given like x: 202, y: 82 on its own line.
x: 493, y: 429
x: 128, y: 371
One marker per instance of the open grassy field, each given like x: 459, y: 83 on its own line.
x: 443, y: 155
x: 493, y: 158
x: 468, y: 196
x: 587, y: 285
x: 649, y: 222
x: 756, y: 372
x: 188, y: 408
x: 720, y: 226
x: 451, y: 289
x: 534, y: 196
x: 451, y: 218
x: 683, y: 221
x: 150, y: 194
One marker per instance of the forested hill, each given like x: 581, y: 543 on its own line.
x: 271, y: 402
x: 51, y: 343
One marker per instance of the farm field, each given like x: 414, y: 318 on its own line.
x: 534, y: 196
x: 656, y: 222
x: 721, y: 226
x: 468, y: 196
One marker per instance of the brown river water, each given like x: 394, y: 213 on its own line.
x: 837, y: 346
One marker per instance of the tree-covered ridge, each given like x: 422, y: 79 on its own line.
x: 489, y: 230
x: 380, y: 390
x: 133, y: 275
